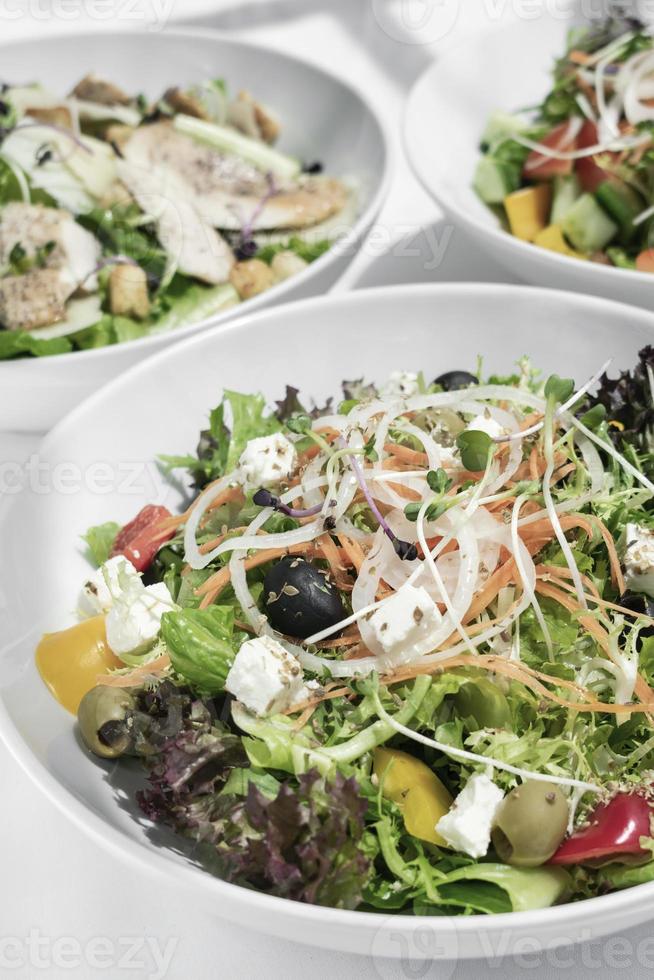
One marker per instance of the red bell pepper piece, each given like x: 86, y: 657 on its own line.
x: 590, y: 174
x: 614, y: 829
x: 140, y: 540
x: 538, y: 166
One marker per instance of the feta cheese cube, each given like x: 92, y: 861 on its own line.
x: 402, y: 383
x: 134, y: 620
x: 449, y: 457
x: 486, y: 423
x: 267, y: 460
x: 405, y: 621
x: 468, y: 823
x: 639, y: 559
x: 265, y: 677
x: 98, y: 592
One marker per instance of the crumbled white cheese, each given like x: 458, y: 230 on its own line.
x: 134, y: 621
x: 449, y: 457
x: 404, y: 621
x: 402, y: 383
x: 98, y: 592
x: 467, y: 825
x: 265, y: 677
x: 486, y: 423
x: 639, y: 559
x: 267, y: 460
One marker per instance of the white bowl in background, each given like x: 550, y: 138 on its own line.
x: 322, y: 117
x: 445, y: 116
x: 160, y: 406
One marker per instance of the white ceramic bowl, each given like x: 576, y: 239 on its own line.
x: 323, y: 118
x: 158, y: 407
x: 445, y: 116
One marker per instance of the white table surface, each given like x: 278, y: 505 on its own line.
x: 68, y: 910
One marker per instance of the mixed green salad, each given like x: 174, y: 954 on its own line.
x: 121, y: 217
x: 575, y: 174
x: 398, y: 652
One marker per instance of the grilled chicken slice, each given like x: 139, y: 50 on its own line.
x: 76, y: 252
x: 196, y: 248
x: 229, y: 192
x: 36, y: 299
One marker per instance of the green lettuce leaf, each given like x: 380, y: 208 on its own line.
x: 100, y: 540
x: 15, y: 343
x: 202, y: 645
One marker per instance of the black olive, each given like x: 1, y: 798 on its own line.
x: 452, y: 380
x: 300, y: 599
x: 642, y: 604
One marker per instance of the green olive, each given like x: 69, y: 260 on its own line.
x: 530, y: 824
x: 484, y: 701
x: 103, y: 717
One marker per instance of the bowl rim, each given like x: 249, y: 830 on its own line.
x: 492, y: 234
x: 354, y: 236
x: 230, y: 895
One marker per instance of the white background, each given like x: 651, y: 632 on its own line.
x: 68, y: 910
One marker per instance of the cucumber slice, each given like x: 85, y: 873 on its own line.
x: 565, y: 191
x: 622, y: 204
x: 501, y: 126
x: 80, y: 314
x: 199, y: 304
x: 231, y: 141
x: 587, y: 226
x: 492, y: 180
x: 619, y: 258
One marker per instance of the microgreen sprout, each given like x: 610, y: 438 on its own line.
x: 474, y: 447
x: 440, y: 483
x: 264, y: 498
x: 403, y: 549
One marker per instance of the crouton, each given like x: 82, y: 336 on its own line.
x: 128, y: 292
x: 251, y: 277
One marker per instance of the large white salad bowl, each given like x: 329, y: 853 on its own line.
x: 323, y: 118
x: 97, y: 465
x: 446, y: 114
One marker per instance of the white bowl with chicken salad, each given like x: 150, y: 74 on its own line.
x: 151, y: 184
x: 457, y: 354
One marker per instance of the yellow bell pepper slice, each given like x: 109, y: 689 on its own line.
x: 416, y: 789
x: 552, y: 238
x: 70, y: 661
x: 528, y: 210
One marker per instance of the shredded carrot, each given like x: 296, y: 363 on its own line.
x: 406, y: 454
x: 352, y: 549
x: 501, y: 577
x: 314, y: 702
x: 211, y: 589
x: 526, y: 676
x: 579, y: 57
x: 558, y: 572
x: 333, y: 556
x: 594, y: 596
x: 137, y: 675
x: 228, y: 494
x: 642, y: 688
x: 616, y: 570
